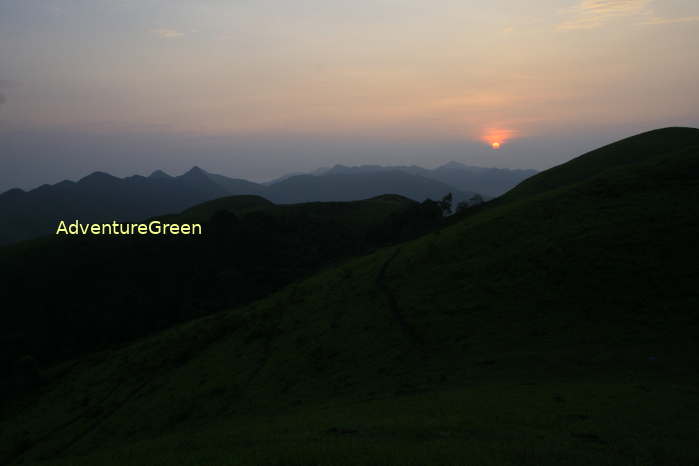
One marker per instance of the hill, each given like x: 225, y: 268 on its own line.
x: 645, y: 148
x: 347, y: 187
x: 556, y: 325
x: 101, y: 197
x: 75, y: 294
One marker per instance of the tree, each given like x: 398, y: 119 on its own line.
x: 445, y: 204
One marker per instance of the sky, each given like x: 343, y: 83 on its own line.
x: 259, y: 88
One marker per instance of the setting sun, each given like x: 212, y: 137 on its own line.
x: 495, y: 137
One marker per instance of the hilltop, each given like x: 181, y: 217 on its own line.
x: 101, y: 197
x: 554, y: 325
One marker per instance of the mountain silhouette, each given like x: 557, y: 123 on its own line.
x: 159, y: 174
x: 553, y: 325
x: 489, y: 182
x: 100, y: 197
x: 351, y: 186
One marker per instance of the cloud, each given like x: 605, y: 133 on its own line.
x: 592, y: 14
x: 497, y: 134
x: 165, y: 33
x: 658, y: 20
x: 2, y: 99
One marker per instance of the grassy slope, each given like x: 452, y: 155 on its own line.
x: 146, y: 284
x: 556, y: 327
x: 632, y: 150
x: 199, y: 213
x: 238, y: 204
x: 362, y: 213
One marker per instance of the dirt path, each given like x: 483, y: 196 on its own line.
x: 407, y: 329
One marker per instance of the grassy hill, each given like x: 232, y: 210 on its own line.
x: 557, y: 325
x: 68, y: 295
x: 644, y: 148
x: 101, y: 197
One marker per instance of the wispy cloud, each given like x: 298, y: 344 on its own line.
x: 165, y: 33
x: 591, y: 14
x: 658, y: 20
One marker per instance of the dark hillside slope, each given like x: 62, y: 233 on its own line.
x: 635, y: 149
x: 241, y: 204
x: 553, y: 328
x: 71, y: 295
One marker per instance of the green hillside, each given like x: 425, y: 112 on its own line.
x: 238, y: 204
x: 356, y: 214
x: 643, y: 148
x: 557, y: 325
x: 71, y: 295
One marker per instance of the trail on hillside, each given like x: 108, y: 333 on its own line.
x: 101, y: 419
x: 82, y: 416
x: 407, y: 329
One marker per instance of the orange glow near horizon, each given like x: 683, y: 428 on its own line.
x: 496, y: 137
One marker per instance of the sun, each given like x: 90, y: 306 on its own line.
x: 496, y: 137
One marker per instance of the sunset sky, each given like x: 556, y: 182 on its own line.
x: 257, y: 88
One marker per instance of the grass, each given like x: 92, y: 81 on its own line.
x: 506, y: 423
x: 556, y: 327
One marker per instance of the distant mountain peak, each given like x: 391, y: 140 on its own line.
x: 159, y: 174
x: 195, y: 170
x: 453, y: 164
x: 97, y: 177
x: 12, y: 193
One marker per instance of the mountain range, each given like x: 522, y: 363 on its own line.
x: 101, y: 197
x: 489, y: 182
x: 556, y: 324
